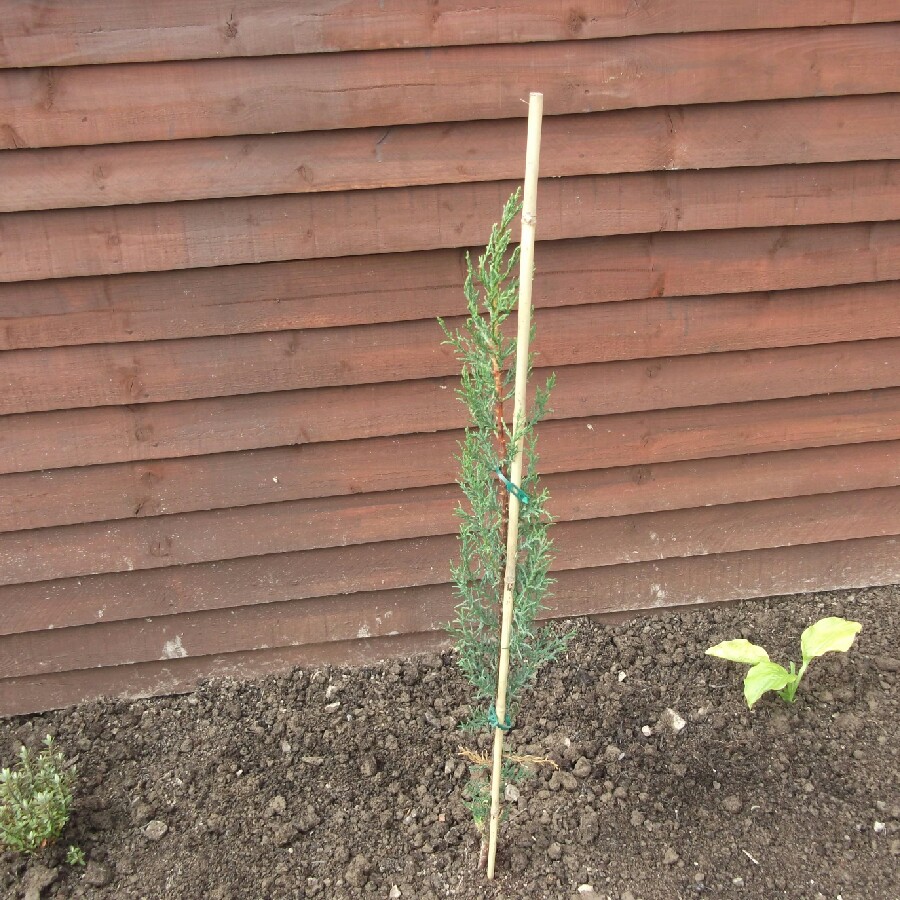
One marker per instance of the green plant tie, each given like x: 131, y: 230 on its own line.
x: 494, y: 722
x: 512, y: 488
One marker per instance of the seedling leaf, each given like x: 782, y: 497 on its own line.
x: 828, y: 635
x: 739, y: 651
x: 763, y: 677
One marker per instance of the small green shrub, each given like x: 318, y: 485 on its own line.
x: 75, y: 856
x: 825, y: 636
x: 35, y: 799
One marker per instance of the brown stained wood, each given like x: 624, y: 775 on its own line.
x: 627, y: 494
x: 98, y: 241
x: 87, y: 492
x: 656, y: 537
x: 112, y: 104
x: 571, y: 445
x: 160, y: 371
x: 632, y: 587
x: 823, y: 129
x: 304, y: 294
x: 368, y: 289
x: 162, y: 431
x: 157, y: 431
x: 320, y: 293
x: 179, y: 675
x: 60, y: 33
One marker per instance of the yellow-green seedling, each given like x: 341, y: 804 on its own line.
x: 35, y: 799
x: 828, y: 635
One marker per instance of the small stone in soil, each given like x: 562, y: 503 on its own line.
x: 511, y: 793
x: 582, y: 768
x: 673, y: 720
x: 155, y: 830
x: 588, y: 828
x: 96, y: 874
x: 732, y: 804
x: 308, y: 819
x: 357, y: 873
x: 312, y: 760
x: 141, y: 812
x: 564, y: 780
x: 369, y: 765
x: 554, y: 851
x: 670, y: 857
x: 38, y: 879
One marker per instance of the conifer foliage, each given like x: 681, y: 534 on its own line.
x: 487, y: 357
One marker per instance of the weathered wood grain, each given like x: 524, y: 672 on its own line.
x: 146, y: 432
x: 569, y: 445
x: 621, y: 492
x: 635, y: 587
x: 159, y: 371
x: 88, y: 492
x: 86, y: 105
x: 35, y: 693
x: 581, y: 547
x: 321, y: 293
x: 59, y: 33
x: 822, y: 129
x: 200, y: 233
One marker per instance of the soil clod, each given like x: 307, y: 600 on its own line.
x: 365, y: 803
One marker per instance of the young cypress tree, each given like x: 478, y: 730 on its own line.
x: 485, y: 353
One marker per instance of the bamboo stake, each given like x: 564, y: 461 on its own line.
x: 526, y: 273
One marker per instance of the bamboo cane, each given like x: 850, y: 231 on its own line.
x: 526, y: 272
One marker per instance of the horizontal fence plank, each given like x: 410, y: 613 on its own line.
x: 634, y: 587
x: 622, y: 492
x: 53, y: 691
x: 200, y: 233
x: 112, y: 104
x: 159, y: 371
x: 580, y: 546
x: 88, y: 492
x: 569, y: 445
x: 96, y: 31
x: 162, y: 431
x: 823, y: 129
x: 319, y: 293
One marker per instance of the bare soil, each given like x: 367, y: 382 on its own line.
x: 339, y: 783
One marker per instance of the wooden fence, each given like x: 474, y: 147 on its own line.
x: 226, y: 229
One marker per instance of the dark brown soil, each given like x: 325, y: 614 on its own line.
x: 345, y: 783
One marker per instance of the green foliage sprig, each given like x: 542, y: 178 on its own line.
x: 35, y: 799
x: 828, y: 635
x: 487, y: 357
